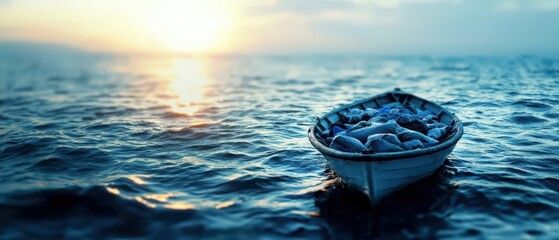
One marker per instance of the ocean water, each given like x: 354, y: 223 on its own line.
x: 96, y: 146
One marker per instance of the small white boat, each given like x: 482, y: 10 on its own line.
x: 380, y: 174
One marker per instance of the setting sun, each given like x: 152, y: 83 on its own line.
x: 188, y: 26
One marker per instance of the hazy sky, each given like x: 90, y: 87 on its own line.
x: 438, y: 27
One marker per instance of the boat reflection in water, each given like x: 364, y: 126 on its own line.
x: 351, y: 215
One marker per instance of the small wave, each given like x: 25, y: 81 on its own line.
x: 173, y: 134
x: 524, y: 142
x: 532, y: 104
x: 110, y: 126
x: 130, y: 185
x: 550, y: 183
x: 84, y: 153
x: 451, y: 68
x: 552, y: 115
x: 45, y: 126
x: 99, y: 126
x: 231, y: 155
x: 527, y: 119
x: 173, y: 114
x: 28, y: 147
x: 56, y: 79
x: 24, y: 89
x: 50, y: 164
x: 250, y: 184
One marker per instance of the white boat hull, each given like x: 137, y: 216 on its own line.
x: 380, y: 179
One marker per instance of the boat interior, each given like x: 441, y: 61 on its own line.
x: 377, y: 102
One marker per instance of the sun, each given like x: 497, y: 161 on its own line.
x: 189, y: 26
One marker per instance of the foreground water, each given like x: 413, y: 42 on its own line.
x: 102, y: 146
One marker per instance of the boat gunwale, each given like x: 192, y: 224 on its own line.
x: 379, y: 157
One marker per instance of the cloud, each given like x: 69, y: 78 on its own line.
x: 398, y: 3
x: 508, y: 5
x: 516, y: 5
x: 545, y: 5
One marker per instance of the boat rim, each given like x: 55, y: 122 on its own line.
x: 371, y: 157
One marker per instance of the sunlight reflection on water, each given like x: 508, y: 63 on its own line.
x: 187, y: 85
x: 179, y: 83
x: 179, y: 206
x: 137, y: 179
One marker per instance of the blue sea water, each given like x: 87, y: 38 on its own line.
x: 97, y: 146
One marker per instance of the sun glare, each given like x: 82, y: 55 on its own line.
x: 189, y: 26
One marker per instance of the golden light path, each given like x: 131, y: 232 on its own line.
x: 180, y: 83
x: 187, y: 86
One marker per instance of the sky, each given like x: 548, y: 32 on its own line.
x: 384, y: 27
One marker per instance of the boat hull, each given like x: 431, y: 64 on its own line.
x: 380, y: 179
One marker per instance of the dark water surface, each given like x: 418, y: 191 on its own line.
x: 99, y: 146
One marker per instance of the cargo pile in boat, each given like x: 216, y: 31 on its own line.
x: 391, y: 128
